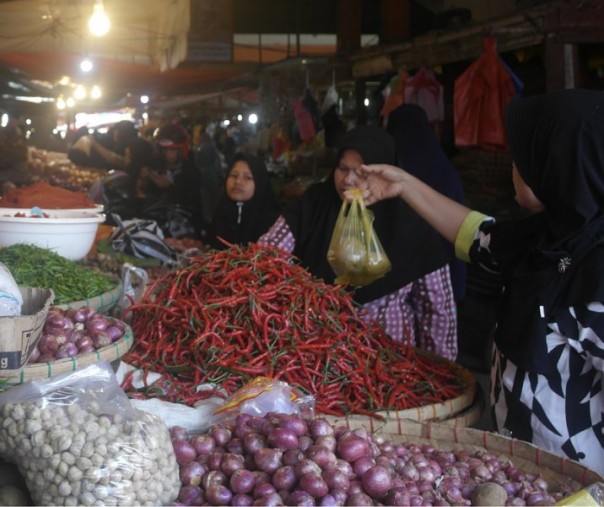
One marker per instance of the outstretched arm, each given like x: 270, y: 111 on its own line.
x: 382, y: 181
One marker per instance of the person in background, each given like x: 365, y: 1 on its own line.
x: 106, y: 152
x: 414, y: 301
x: 547, y: 380
x: 172, y: 186
x: 420, y: 153
x: 248, y: 206
x: 209, y: 164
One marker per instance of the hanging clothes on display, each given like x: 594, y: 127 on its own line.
x: 395, y: 93
x: 424, y: 90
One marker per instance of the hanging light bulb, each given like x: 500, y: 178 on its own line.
x: 99, y: 23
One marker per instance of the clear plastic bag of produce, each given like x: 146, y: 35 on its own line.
x: 263, y: 395
x: 355, y: 252
x: 11, y: 298
x: 77, y: 441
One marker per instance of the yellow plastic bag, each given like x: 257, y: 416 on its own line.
x: 355, y: 252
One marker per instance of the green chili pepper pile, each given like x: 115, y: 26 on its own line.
x: 32, y: 266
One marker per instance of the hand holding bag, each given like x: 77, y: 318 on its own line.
x: 355, y: 252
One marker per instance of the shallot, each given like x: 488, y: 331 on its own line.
x: 73, y: 332
x: 335, y: 466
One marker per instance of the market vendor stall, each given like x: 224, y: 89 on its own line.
x: 361, y: 419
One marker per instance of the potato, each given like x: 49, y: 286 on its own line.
x: 489, y: 493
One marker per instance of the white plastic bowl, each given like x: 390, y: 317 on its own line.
x: 68, y: 234
x: 99, y: 208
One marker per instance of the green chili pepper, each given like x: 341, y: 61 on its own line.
x: 33, y: 266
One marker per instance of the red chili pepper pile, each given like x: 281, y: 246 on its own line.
x: 233, y: 315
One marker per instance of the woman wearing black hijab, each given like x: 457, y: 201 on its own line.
x: 420, y: 153
x: 248, y: 206
x: 548, y: 373
x: 414, y: 301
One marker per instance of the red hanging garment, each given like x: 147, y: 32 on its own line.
x: 480, y: 97
x: 304, y: 121
x: 397, y: 94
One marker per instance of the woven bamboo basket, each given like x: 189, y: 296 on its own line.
x: 46, y: 370
x: 102, y: 303
x: 556, y: 470
x: 468, y: 402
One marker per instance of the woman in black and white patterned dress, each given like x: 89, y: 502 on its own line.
x: 548, y: 360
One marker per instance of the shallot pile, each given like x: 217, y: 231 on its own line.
x: 69, y: 333
x: 284, y: 459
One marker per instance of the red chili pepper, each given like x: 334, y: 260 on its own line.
x: 243, y: 312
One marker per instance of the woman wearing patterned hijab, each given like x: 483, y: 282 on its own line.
x: 414, y: 301
x: 548, y: 373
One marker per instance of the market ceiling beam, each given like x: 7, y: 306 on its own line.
x: 434, y: 48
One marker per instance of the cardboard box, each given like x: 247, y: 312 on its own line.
x: 19, y: 335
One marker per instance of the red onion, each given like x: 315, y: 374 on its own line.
x: 191, y: 473
x: 215, y: 460
x: 320, y: 427
x: 284, y: 478
x: 352, y: 447
x: 328, y: 501
x: 203, y: 444
x: 292, y: 456
x: 270, y: 500
x: 306, y: 466
x: 220, y: 434
x: 359, y: 499
x: 191, y: 495
x: 217, y: 494
x: 80, y: 314
x: 54, y: 322
x: 313, y: 484
x: 231, y: 462
x: 115, y: 332
x: 253, y: 442
x: 66, y: 350
x: 328, y: 441
x: 304, y: 442
x: 376, y: 481
x: 100, y: 340
x: 344, y: 467
x: 178, y: 433
x: 48, y: 344
x: 86, y: 349
x: 268, y: 460
x: 96, y: 324
x: 301, y: 498
x: 398, y: 496
x: 336, y: 479
x: 213, y: 477
x: 262, y: 489
x: 282, y: 438
x: 322, y: 456
x: 242, y: 500
x: 235, y: 446
x: 242, y: 481
x: 183, y: 451
x: 293, y: 422
x: 363, y: 464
